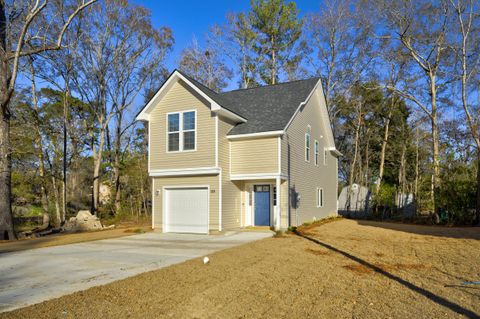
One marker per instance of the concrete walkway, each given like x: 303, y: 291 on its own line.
x: 32, y: 276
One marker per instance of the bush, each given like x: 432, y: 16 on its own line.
x: 457, y: 195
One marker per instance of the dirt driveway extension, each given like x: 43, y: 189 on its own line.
x: 345, y: 269
x: 32, y: 276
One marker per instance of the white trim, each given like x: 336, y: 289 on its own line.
x: 185, y: 171
x: 234, y: 177
x: 216, y: 140
x: 181, y: 132
x: 230, y: 115
x: 229, y: 157
x: 278, y: 215
x: 255, y: 135
x: 220, y: 211
x: 153, y: 203
x: 164, y: 203
x: 144, y: 115
x: 334, y: 151
x: 149, y: 145
x: 279, y: 151
x: 302, y: 104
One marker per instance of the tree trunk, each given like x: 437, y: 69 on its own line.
x: 56, y: 195
x: 65, y: 146
x: 435, y: 145
x: 274, y: 63
x: 41, y: 159
x: 417, y: 171
x: 6, y: 219
x: 382, y: 152
x: 355, y: 155
x: 97, y: 162
x: 117, y: 160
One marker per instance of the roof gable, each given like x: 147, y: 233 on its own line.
x: 204, y: 92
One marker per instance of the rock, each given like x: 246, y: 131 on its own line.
x: 84, y: 214
x: 84, y: 221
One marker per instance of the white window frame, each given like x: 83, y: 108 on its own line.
x: 316, y: 151
x: 320, y: 197
x: 325, y: 156
x: 180, y: 132
x: 307, y: 148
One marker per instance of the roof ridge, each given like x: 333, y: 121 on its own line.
x: 195, y: 81
x: 270, y: 85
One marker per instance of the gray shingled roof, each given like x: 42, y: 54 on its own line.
x: 266, y: 108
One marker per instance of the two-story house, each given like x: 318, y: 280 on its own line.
x: 261, y: 156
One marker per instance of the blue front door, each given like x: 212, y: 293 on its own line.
x: 262, y: 205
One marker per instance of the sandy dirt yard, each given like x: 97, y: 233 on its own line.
x: 347, y: 269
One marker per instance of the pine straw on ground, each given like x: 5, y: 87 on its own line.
x: 353, y: 270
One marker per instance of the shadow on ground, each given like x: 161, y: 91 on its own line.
x: 439, y: 231
x: 424, y: 292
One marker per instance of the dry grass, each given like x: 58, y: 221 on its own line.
x: 350, y: 271
x: 362, y: 269
x: 65, y: 239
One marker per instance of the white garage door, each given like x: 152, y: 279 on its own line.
x: 186, y: 210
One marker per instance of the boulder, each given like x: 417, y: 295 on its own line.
x: 84, y: 214
x: 84, y: 221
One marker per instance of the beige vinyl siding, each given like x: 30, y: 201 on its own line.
x: 253, y: 156
x: 182, y: 98
x: 305, y: 177
x: 159, y: 182
x: 231, y: 191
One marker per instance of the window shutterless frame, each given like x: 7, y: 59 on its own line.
x: 317, y: 146
x: 181, y: 132
x: 319, y: 197
x: 308, y: 141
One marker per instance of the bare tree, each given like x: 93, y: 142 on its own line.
x: 15, y: 34
x: 341, y: 49
x: 141, y: 53
x: 419, y: 28
x: 236, y: 41
x: 205, y: 66
x: 467, y: 49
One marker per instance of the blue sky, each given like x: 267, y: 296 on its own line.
x: 188, y: 18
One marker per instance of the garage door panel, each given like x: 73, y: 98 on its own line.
x: 186, y: 210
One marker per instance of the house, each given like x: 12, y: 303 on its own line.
x: 261, y: 156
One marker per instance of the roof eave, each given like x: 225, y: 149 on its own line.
x: 335, y: 152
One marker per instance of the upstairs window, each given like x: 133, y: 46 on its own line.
x: 181, y: 132
x: 316, y: 152
x: 174, y: 132
x: 325, y: 155
x: 189, y: 131
x: 307, y: 145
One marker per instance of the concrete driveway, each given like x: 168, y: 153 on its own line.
x: 32, y: 276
